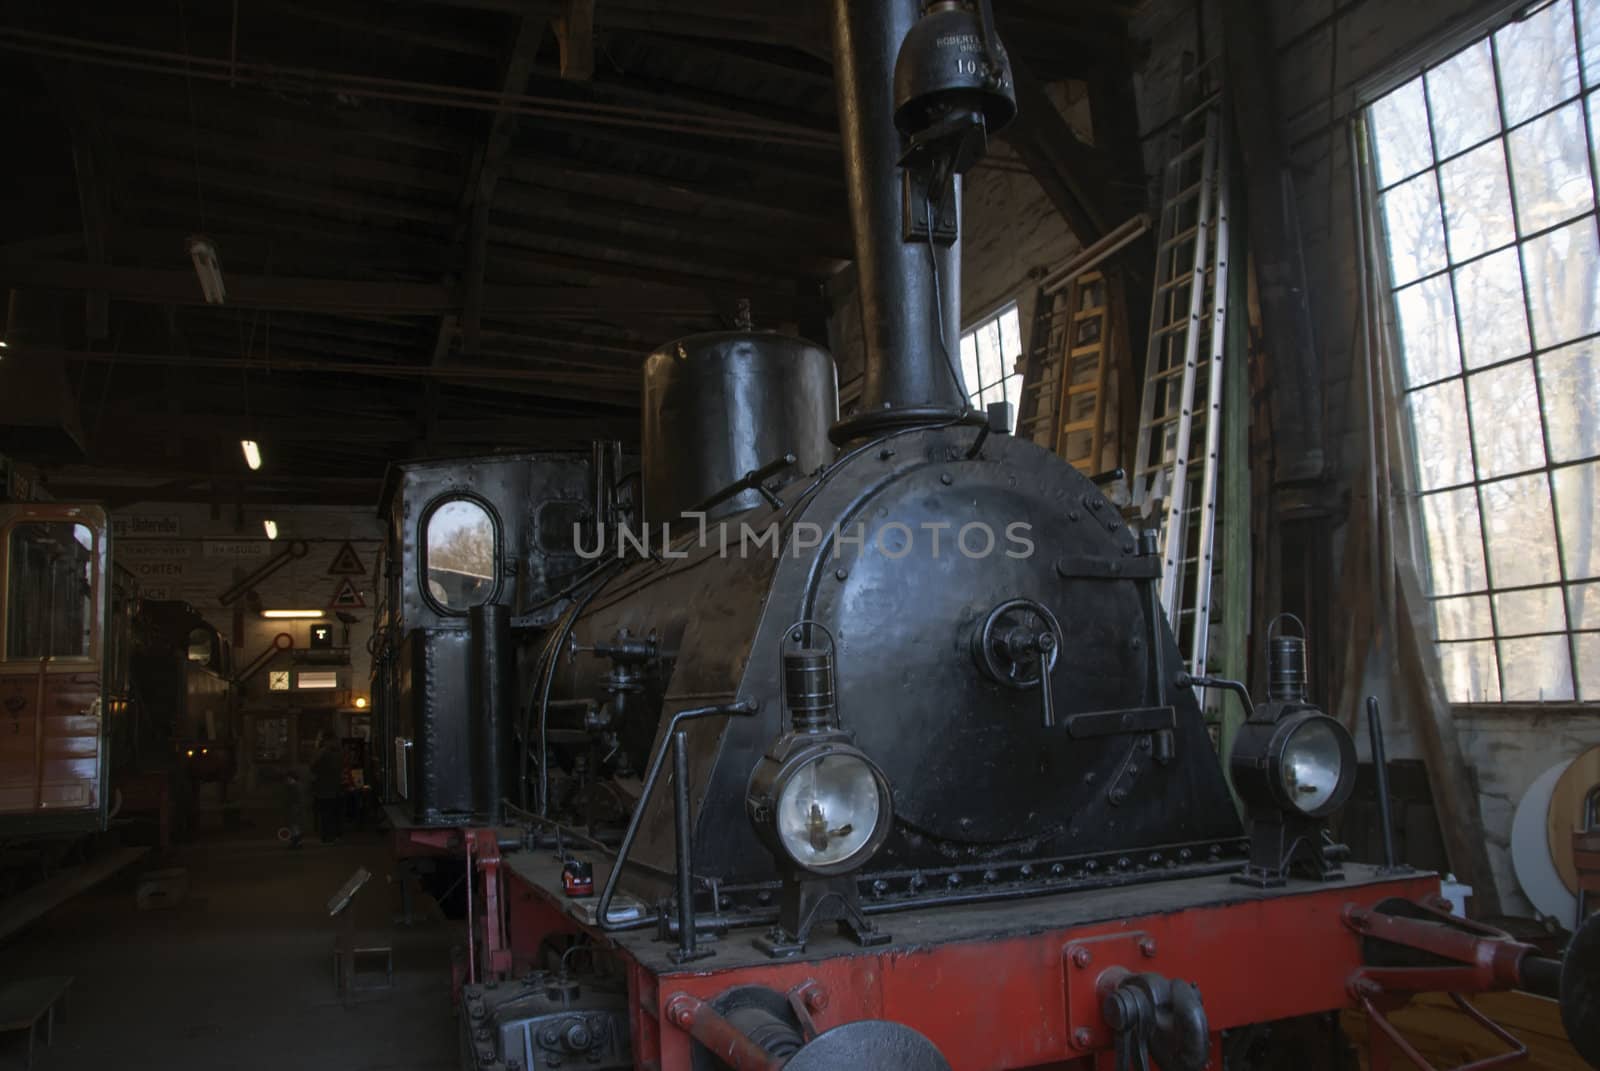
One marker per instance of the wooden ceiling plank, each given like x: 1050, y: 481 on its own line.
x: 712, y: 197
x: 575, y: 32
x: 359, y: 296
x: 477, y: 199
x: 392, y: 25
x: 345, y: 202
x: 310, y: 158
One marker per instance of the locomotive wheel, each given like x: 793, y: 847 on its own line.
x: 1580, y: 991
x: 875, y: 1043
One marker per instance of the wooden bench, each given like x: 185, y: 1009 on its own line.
x: 23, y: 1003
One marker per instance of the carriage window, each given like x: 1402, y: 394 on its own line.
x: 49, y: 590
x: 460, y: 554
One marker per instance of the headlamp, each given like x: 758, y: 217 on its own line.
x: 1315, y: 770
x: 1304, y: 763
x: 821, y: 804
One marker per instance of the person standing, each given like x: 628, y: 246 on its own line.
x: 327, y: 779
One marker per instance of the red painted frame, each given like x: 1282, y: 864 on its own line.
x: 1020, y: 1001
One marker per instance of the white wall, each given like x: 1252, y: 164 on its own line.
x: 1508, y: 750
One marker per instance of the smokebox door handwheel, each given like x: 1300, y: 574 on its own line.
x: 1017, y: 646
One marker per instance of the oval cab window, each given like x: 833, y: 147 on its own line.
x: 461, y: 553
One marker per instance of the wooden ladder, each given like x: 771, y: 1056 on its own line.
x: 1065, y: 378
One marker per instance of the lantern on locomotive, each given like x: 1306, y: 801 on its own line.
x: 819, y: 803
x: 1293, y: 766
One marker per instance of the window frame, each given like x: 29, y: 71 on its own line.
x: 994, y: 315
x: 1482, y: 31
x: 99, y: 596
x: 436, y: 503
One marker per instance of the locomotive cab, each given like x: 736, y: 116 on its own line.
x: 465, y: 537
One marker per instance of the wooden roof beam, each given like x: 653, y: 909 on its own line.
x: 392, y: 25
x: 1074, y: 176
x: 575, y: 32
x: 510, y: 302
x: 477, y: 197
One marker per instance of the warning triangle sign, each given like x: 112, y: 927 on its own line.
x: 346, y: 597
x: 347, y: 562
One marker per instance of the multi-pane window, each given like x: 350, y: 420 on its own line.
x: 50, y: 591
x: 990, y: 352
x: 1485, y: 166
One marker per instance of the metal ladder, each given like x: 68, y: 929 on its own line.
x: 1176, y: 466
x: 1065, y: 382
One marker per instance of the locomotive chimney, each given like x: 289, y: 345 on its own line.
x: 912, y: 116
x: 902, y: 306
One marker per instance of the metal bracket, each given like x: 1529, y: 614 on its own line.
x: 1113, y: 722
x: 1140, y: 754
x: 1438, y: 952
x: 807, y: 997
x: 1093, y: 966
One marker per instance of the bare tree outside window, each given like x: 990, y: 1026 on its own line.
x: 461, y: 554
x: 1486, y: 165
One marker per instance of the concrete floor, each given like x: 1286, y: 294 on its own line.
x: 237, y: 976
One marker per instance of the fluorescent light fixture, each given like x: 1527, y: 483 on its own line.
x: 208, y: 268
x: 290, y: 615
x: 252, y: 453
x: 272, y: 528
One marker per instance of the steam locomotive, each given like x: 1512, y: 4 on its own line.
x: 865, y: 742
